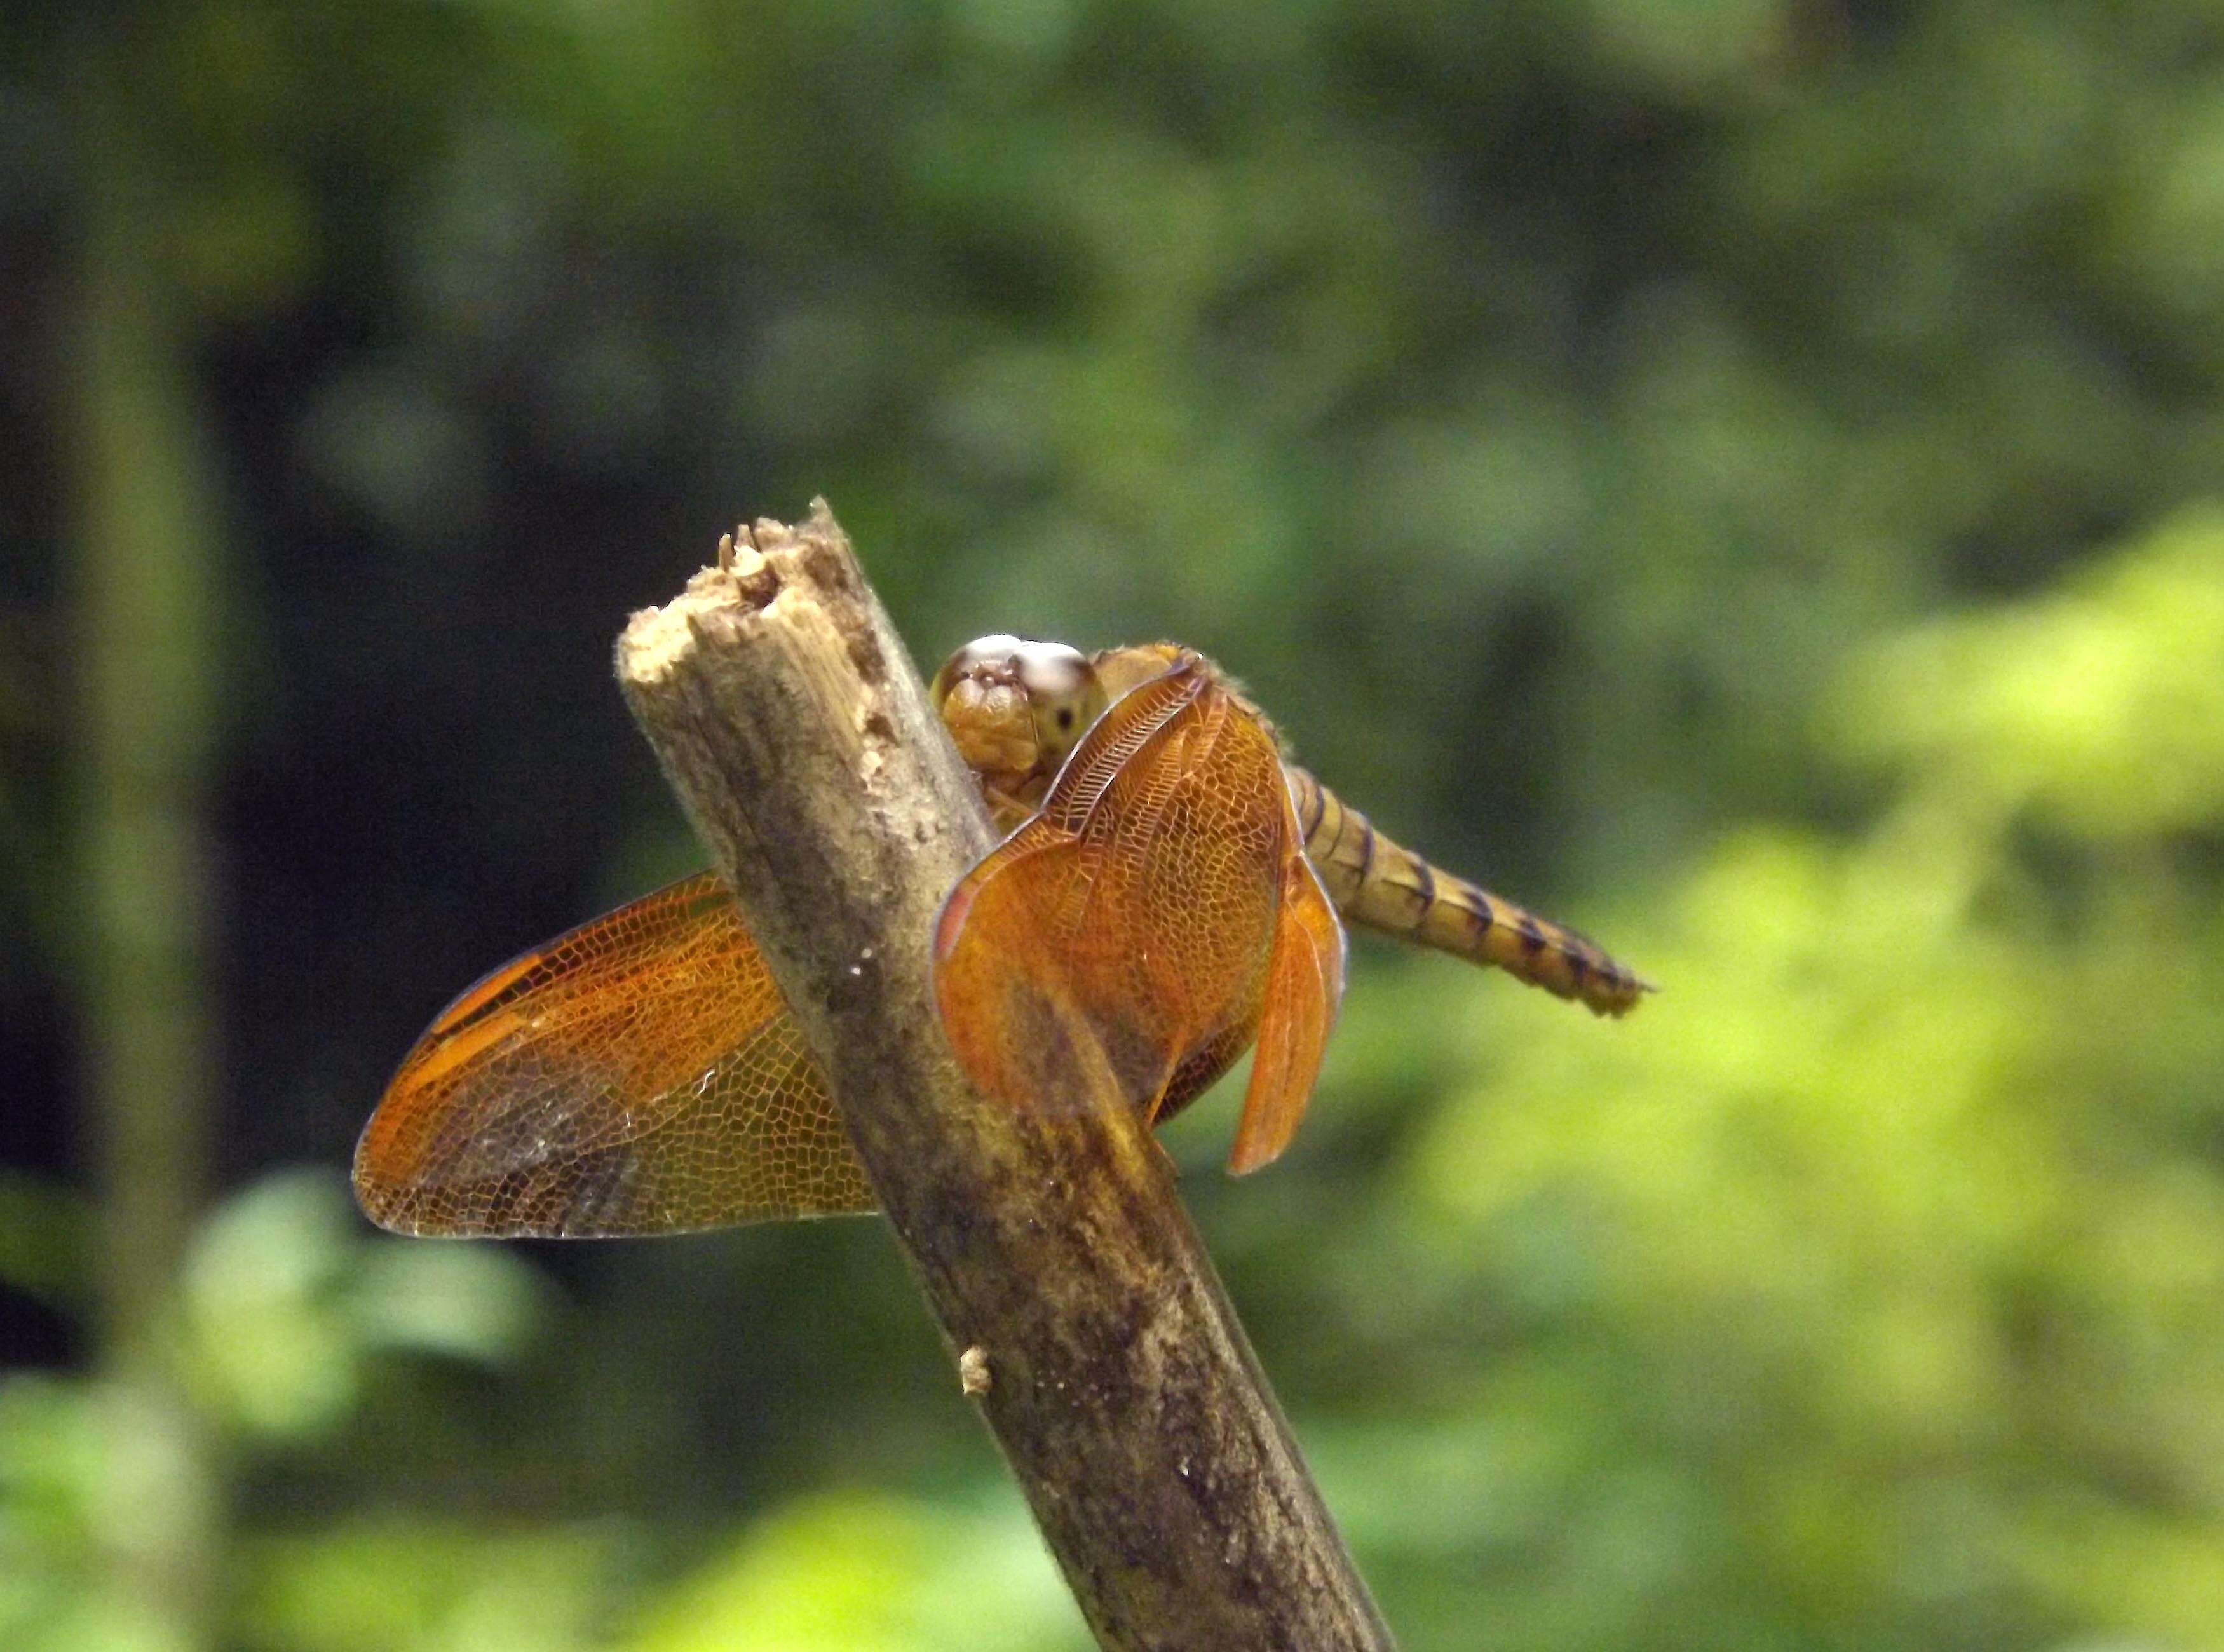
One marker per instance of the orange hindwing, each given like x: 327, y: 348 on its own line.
x: 639, y: 1074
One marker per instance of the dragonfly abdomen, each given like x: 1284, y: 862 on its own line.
x: 1386, y: 886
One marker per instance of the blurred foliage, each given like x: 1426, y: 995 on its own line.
x: 1740, y: 474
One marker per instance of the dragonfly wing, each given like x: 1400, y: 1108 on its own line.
x: 1304, y: 986
x: 1141, y: 901
x: 639, y: 1074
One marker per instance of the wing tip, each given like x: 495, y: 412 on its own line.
x: 1248, y: 1155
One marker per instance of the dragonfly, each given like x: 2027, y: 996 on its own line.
x: 1168, y: 876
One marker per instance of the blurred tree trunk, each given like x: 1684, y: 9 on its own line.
x: 146, y: 606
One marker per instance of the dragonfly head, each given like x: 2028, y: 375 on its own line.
x: 1017, y: 709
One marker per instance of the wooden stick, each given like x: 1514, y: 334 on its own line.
x: 1095, y: 1337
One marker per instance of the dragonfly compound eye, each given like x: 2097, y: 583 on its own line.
x: 984, y: 658
x: 1064, y: 694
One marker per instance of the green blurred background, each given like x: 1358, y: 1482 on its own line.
x: 1742, y: 475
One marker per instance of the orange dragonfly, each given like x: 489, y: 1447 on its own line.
x: 1168, y: 875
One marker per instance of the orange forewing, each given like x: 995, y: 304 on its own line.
x: 639, y: 1074
x: 1162, y: 898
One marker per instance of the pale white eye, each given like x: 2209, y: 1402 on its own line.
x: 982, y: 657
x: 993, y: 649
x: 1064, y: 695
x: 1051, y: 669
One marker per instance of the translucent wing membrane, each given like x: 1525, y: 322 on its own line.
x: 1162, y: 894
x: 1305, y: 986
x: 639, y: 1074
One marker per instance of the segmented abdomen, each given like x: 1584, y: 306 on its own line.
x: 1386, y: 886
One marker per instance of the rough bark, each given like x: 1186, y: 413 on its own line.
x: 1095, y: 1336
